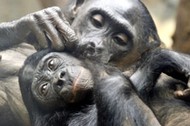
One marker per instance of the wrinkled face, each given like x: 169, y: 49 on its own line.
x: 114, y: 31
x: 60, y: 79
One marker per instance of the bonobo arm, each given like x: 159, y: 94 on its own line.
x: 117, y: 103
x: 172, y: 63
x: 49, y: 23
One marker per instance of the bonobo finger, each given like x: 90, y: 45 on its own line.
x: 46, y: 22
x: 50, y: 23
x: 63, y: 27
x: 183, y: 95
x: 38, y: 32
x: 188, y: 83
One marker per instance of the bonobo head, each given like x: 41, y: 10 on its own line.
x: 56, y: 81
x: 118, y: 31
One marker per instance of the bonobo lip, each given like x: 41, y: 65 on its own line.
x: 80, y: 80
x: 62, y: 87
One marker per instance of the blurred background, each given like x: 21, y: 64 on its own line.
x: 170, y: 16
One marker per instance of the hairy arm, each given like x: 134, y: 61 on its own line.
x: 170, y: 62
x: 37, y: 28
x: 117, y: 102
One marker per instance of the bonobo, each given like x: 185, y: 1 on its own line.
x: 158, y: 93
x: 59, y: 90
x: 117, y: 32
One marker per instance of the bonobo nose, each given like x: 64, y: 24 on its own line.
x: 61, y: 79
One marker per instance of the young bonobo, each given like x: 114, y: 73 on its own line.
x: 59, y: 90
x: 36, y: 29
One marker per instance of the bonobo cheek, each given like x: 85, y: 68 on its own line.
x: 81, y: 77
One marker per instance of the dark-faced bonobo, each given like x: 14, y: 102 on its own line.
x: 117, y: 32
x: 59, y: 90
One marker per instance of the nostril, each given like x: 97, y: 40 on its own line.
x: 62, y: 74
x: 60, y: 83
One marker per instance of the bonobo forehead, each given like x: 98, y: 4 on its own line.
x: 121, y: 5
x: 119, y: 10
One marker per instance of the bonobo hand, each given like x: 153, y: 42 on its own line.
x: 176, y: 65
x: 39, y: 28
x: 183, y: 94
x: 52, y: 22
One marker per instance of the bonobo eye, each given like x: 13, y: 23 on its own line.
x: 52, y: 63
x: 120, y: 38
x: 97, y: 20
x: 43, y: 89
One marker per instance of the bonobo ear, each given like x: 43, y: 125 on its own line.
x: 77, y: 6
x: 153, y: 41
x: 70, y: 9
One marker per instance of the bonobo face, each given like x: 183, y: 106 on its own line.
x: 112, y: 30
x: 60, y: 79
